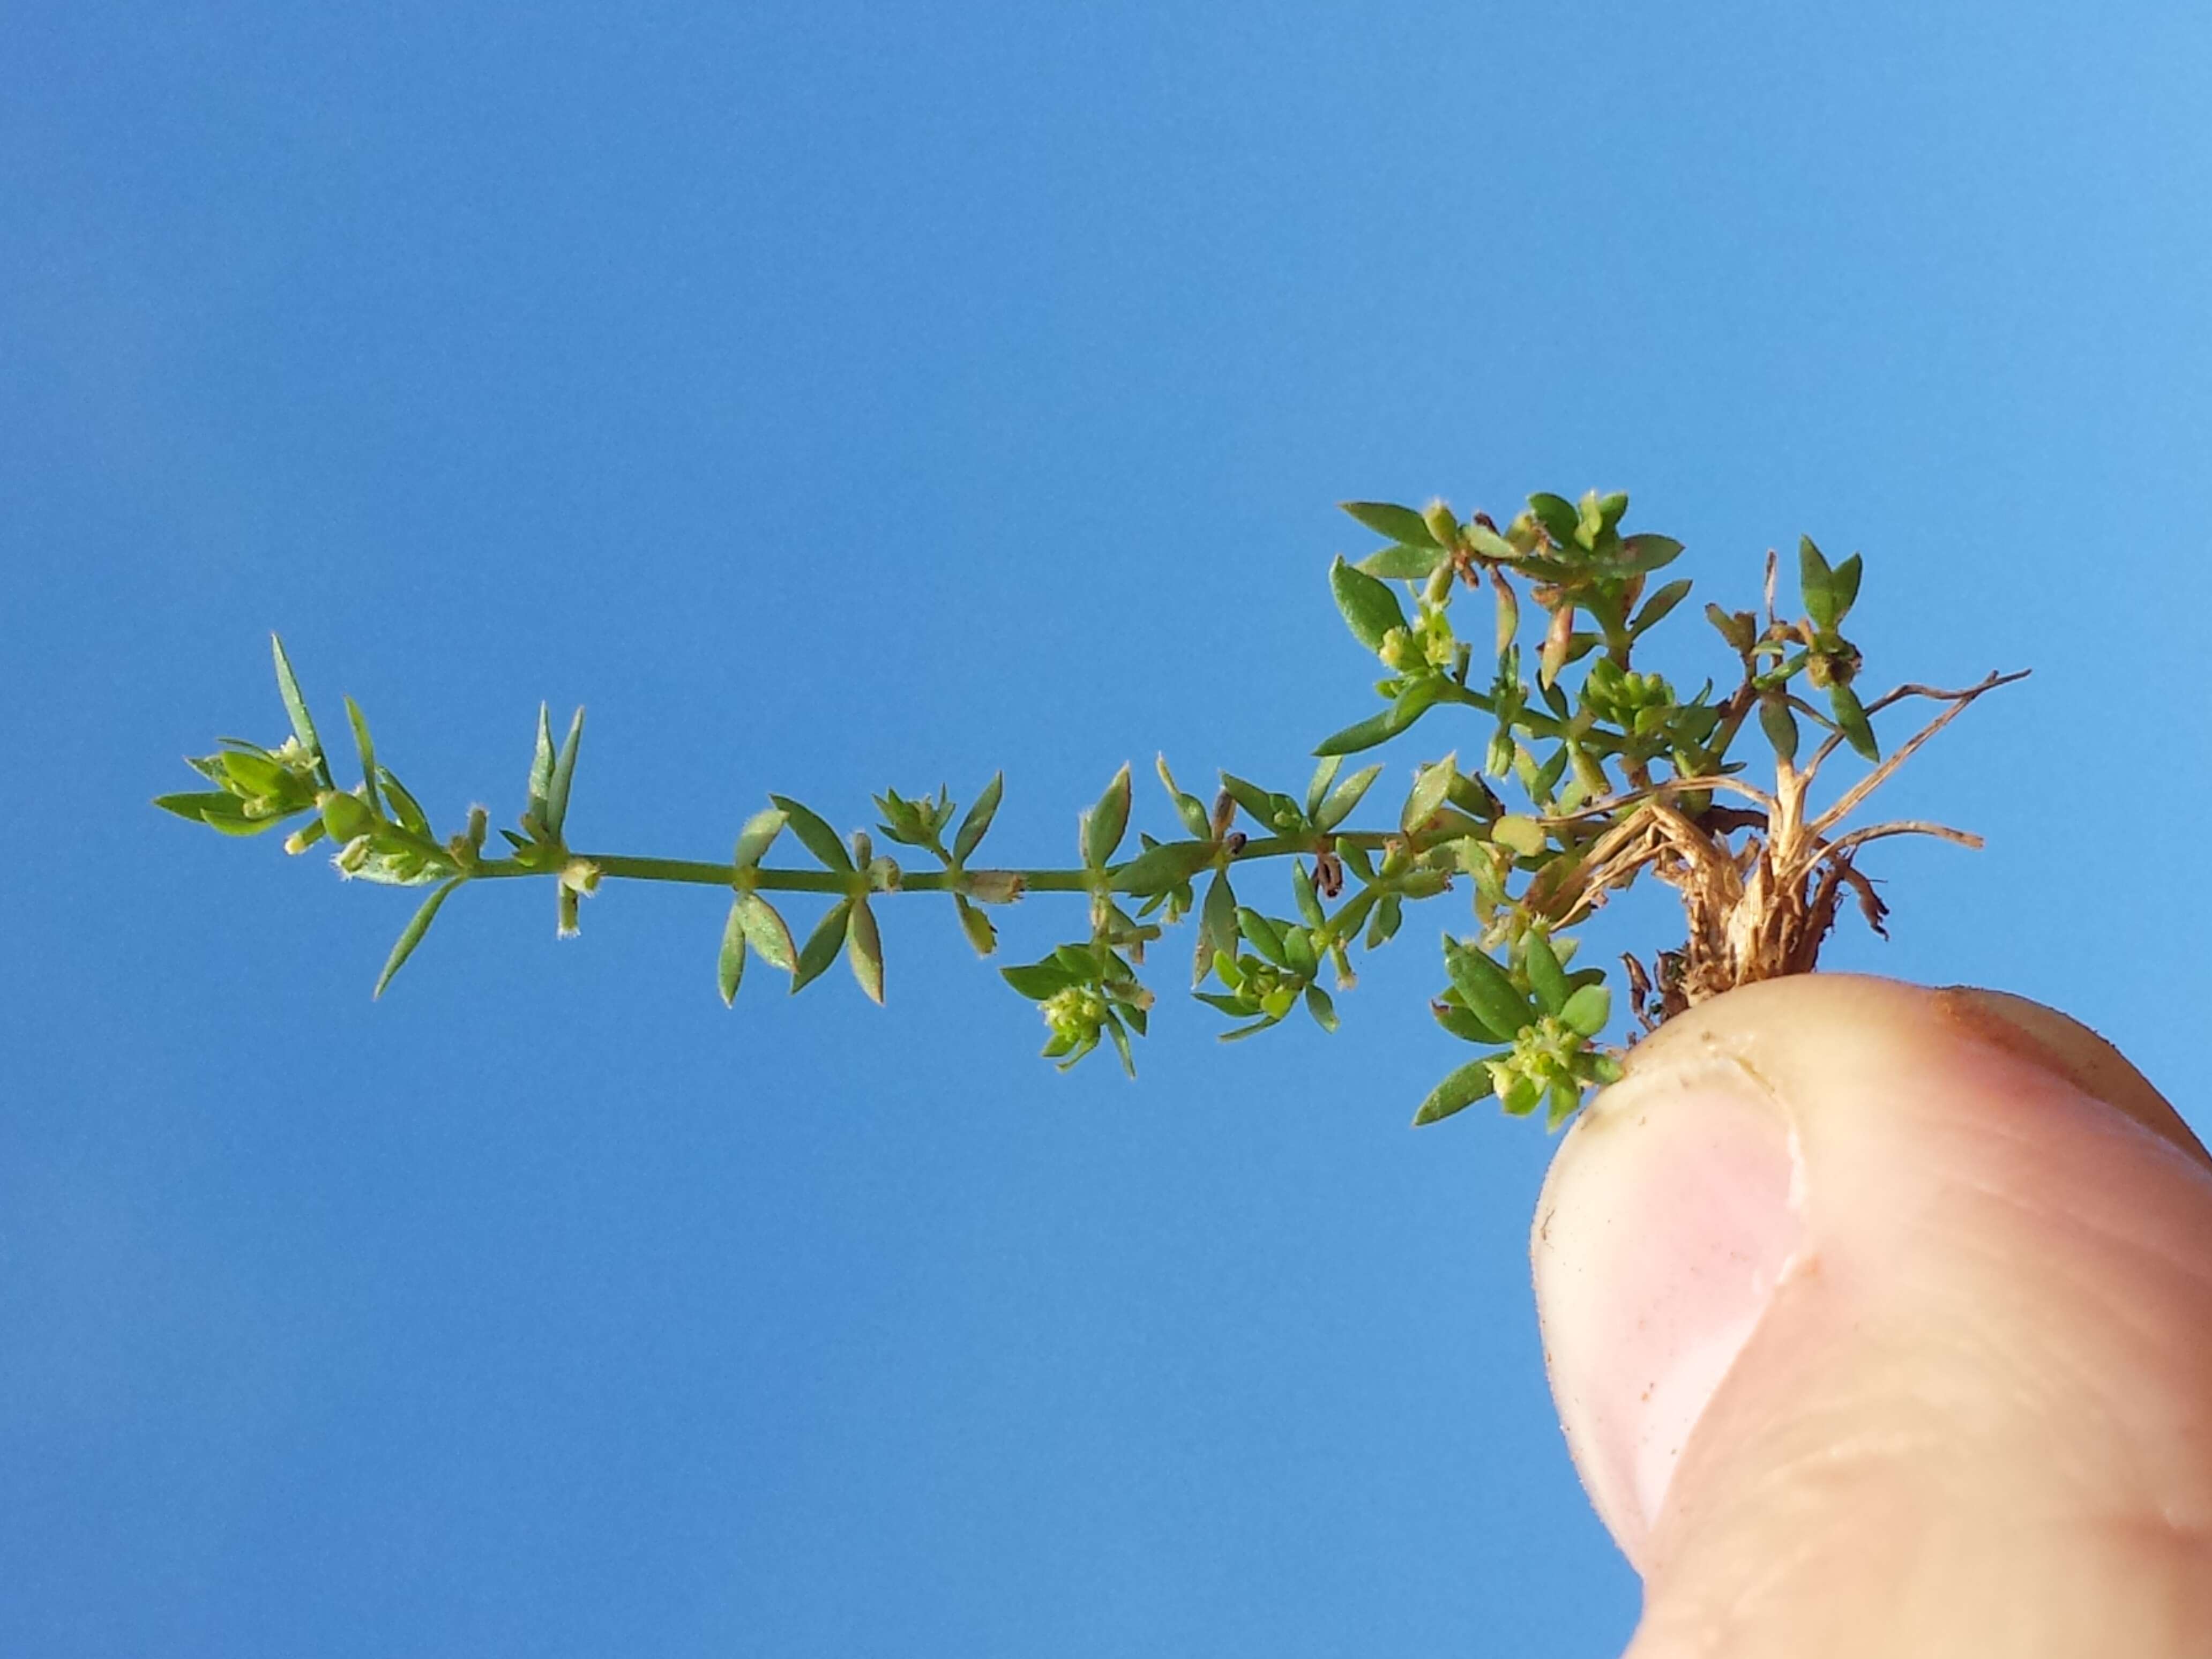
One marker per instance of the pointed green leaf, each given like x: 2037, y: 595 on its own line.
x: 1465, y: 1026
x: 1546, y: 978
x: 766, y: 930
x: 757, y: 836
x: 1403, y: 563
x: 1459, y: 1091
x: 1265, y: 937
x: 1338, y: 805
x: 1640, y: 554
x: 412, y: 935
x: 1104, y: 825
x: 822, y: 944
x: 1487, y: 990
x: 1428, y: 793
x: 1189, y: 807
x: 864, y: 949
x: 541, y: 770
x: 1658, y: 606
x: 1318, y: 786
x: 368, y: 748
x: 1302, y: 891
x: 1851, y: 721
x: 730, y: 966
x: 1114, y: 1029
x: 1818, y: 584
x: 1588, y: 1010
x: 220, y: 810
x: 296, y: 706
x: 1216, y: 925
x: 1370, y: 608
x: 1846, y: 586
x: 564, y: 773
x: 970, y: 833
x: 404, y: 807
x: 1779, y: 724
x: 815, y: 834
x: 1321, y: 1008
x: 973, y: 922
x: 1160, y: 868
x: 1038, y: 980
x: 1398, y: 523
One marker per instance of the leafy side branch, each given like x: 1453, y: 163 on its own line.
x: 1594, y: 769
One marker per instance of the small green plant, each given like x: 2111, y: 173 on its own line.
x: 1594, y: 769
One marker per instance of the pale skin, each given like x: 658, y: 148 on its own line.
x: 1880, y: 1322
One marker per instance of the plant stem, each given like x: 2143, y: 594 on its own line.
x: 696, y: 873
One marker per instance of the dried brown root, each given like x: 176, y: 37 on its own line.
x: 1761, y: 907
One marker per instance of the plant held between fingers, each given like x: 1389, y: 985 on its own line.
x: 1594, y: 770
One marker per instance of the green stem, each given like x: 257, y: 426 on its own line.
x: 695, y: 872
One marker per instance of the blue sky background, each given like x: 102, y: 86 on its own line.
x: 846, y: 395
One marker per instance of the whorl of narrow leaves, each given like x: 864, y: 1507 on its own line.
x: 1593, y: 769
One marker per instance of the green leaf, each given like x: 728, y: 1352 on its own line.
x: 1642, y: 554
x: 1739, y: 628
x: 368, y: 748
x: 1428, y: 792
x: 1415, y: 700
x: 1104, y: 825
x: 1370, y: 608
x: 766, y: 930
x: 1780, y: 724
x: 1189, y: 807
x: 1302, y: 892
x: 1487, y: 990
x: 412, y: 935
x: 1115, y: 1031
x: 1558, y: 515
x: 864, y: 949
x: 1846, y: 586
x: 977, y: 926
x: 822, y: 944
x: 1818, y: 584
x: 1160, y: 868
x: 1459, y: 1091
x: 1339, y: 803
x: 564, y: 773
x: 405, y: 807
x: 1546, y: 978
x: 1588, y: 1010
x: 1266, y: 938
x: 296, y: 706
x: 1403, y: 563
x: 1321, y: 1008
x: 1038, y: 980
x: 1658, y: 606
x: 1252, y: 799
x: 1851, y: 719
x: 541, y: 770
x: 1462, y: 1024
x: 817, y: 837
x: 757, y: 836
x: 1317, y: 786
x: 1520, y: 834
x: 1398, y: 523
x: 1216, y: 925
x: 220, y: 810
x: 970, y: 833
x: 345, y: 817
x: 730, y: 966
